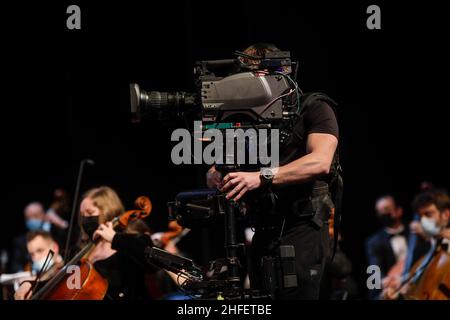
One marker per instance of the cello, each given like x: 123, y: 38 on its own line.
x: 429, y: 278
x: 93, y: 286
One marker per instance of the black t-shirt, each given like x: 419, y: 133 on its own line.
x: 317, y: 117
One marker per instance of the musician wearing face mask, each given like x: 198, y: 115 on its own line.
x: 388, y: 247
x: 39, y: 245
x: 118, y: 256
x: 35, y: 219
x: 433, y: 207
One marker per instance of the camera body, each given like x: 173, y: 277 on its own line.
x: 229, y: 90
x: 246, y: 97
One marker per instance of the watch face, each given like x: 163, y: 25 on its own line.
x: 267, y: 173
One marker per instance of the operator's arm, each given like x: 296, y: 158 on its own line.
x: 321, y: 143
x: 320, y: 148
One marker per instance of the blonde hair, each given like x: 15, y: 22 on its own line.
x: 107, y: 200
x: 110, y: 205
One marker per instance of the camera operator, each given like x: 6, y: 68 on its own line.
x: 303, y: 203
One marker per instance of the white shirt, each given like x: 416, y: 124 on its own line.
x: 398, y: 242
x: 447, y: 241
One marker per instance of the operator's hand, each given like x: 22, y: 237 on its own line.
x: 213, y: 178
x: 236, y: 184
x: 106, y: 231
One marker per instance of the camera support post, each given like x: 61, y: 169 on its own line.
x: 230, y: 210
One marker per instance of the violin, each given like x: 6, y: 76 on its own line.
x: 93, y: 285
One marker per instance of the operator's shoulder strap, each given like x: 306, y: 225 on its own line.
x: 336, y: 184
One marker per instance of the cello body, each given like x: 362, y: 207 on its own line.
x: 434, y: 283
x: 92, y: 285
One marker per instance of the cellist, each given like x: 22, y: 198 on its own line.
x: 118, y: 256
x: 433, y: 207
x: 39, y: 244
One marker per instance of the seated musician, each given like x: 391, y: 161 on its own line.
x: 433, y: 207
x: 118, y: 256
x: 35, y: 219
x: 388, y: 247
x: 39, y: 244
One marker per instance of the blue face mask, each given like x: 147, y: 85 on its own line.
x: 430, y: 226
x: 34, y: 224
x: 37, y: 265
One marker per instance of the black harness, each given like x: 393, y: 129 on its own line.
x: 335, y: 180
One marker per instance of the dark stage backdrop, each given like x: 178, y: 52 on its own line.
x: 65, y: 96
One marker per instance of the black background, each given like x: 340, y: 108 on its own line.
x: 65, y: 95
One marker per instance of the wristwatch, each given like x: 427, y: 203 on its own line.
x: 266, y: 176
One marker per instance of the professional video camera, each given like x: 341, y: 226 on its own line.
x: 231, y: 90
x: 260, y: 93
